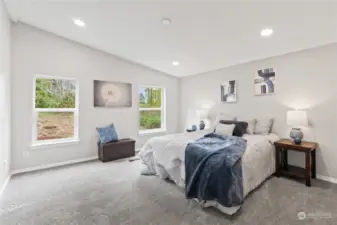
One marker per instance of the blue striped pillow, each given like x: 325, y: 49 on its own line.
x: 107, y: 134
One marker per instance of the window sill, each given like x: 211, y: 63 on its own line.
x: 151, y: 132
x: 54, y: 143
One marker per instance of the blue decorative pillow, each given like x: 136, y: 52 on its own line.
x: 107, y: 134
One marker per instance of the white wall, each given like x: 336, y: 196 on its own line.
x: 5, y: 47
x: 304, y: 80
x: 39, y: 52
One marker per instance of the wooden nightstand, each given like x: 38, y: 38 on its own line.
x: 282, y: 168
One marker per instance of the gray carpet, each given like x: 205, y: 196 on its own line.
x: 114, y: 193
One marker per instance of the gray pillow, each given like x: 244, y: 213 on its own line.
x: 263, y: 126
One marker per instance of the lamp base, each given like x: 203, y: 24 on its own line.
x: 297, y: 135
x: 297, y: 141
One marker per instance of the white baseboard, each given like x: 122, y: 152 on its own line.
x: 326, y: 178
x: 48, y: 166
x: 5, y: 184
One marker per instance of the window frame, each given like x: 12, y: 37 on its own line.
x: 35, y: 111
x: 162, y: 110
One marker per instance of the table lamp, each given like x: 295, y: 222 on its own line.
x: 296, y: 119
x: 202, y: 115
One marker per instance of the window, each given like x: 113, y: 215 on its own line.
x: 55, y: 110
x: 152, y: 109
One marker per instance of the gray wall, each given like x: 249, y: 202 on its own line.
x: 39, y: 52
x: 5, y: 26
x: 304, y: 80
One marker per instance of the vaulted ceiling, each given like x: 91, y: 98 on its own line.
x: 203, y: 35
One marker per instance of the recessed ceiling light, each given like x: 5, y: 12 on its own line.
x: 166, y: 21
x: 175, y: 63
x: 266, y: 32
x: 79, y: 22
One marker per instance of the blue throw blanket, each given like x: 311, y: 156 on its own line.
x: 213, y: 169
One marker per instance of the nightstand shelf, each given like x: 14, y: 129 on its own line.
x: 293, y: 172
x: 283, y: 169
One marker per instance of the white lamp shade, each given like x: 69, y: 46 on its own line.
x: 297, y: 118
x: 205, y: 106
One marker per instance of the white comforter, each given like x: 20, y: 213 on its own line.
x: 164, y: 156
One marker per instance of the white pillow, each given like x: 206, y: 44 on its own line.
x: 224, y: 129
x: 263, y: 126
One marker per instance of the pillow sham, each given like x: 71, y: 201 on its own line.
x: 224, y: 129
x: 263, y: 126
x: 107, y: 134
x: 239, y: 129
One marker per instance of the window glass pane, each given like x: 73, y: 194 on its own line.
x: 55, y: 125
x: 54, y: 93
x: 150, y: 97
x: 150, y: 119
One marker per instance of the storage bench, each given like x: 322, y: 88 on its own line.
x: 122, y: 148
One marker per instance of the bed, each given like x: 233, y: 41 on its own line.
x: 164, y: 156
